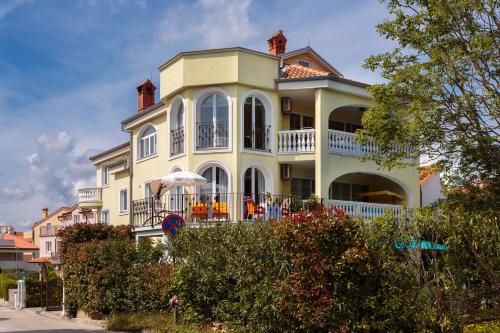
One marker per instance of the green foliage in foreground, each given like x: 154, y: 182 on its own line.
x: 159, y: 322
x: 7, y: 281
x: 323, y: 272
x: 105, y: 272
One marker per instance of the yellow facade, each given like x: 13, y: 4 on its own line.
x: 52, y: 218
x: 234, y: 75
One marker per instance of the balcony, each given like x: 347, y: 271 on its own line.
x: 212, y: 135
x: 90, y: 197
x: 177, y: 141
x: 46, y: 231
x: 368, y: 210
x: 343, y: 143
x: 234, y: 207
x: 297, y: 141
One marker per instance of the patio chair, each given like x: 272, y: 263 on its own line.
x: 220, y: 210
x: 250, y: 207
x: 200, y: 210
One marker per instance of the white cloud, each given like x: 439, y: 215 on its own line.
x: 55, y: 172
x: 7, y: 6
x: 209, y: 23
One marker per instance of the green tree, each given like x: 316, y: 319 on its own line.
x: 442, y: 87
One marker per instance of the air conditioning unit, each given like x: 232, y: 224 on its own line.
x: 286, y: 105
x: 286, y: 171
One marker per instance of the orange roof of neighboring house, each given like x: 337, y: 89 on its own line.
x: 295, y: 71
x: 20, y: 242
x: 426, y: 173
x: 41, y: 260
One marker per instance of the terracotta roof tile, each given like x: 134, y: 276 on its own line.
x: 426, y: 173
x: 21, y: 242
x: 295, y: 71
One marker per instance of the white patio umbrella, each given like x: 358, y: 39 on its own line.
x: 180, y: 178
x: 183, y: 178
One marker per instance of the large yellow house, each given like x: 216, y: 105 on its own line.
x: 260, y: 127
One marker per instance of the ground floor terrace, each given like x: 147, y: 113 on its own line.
x: 203, y: 209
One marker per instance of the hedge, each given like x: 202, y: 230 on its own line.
x: 105, y: 272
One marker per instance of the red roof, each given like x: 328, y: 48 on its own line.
x: 20, y: 242
x: 41, y: 260
x: 295, y: 71
x: 426, y: 173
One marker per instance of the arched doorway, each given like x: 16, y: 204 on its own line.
x: 367, y: 187
x: 216, y: 188
x: 254, y: 184
x: 346, y: 118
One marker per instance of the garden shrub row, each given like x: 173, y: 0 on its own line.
x: 321, y: 272
x: 105, y: 272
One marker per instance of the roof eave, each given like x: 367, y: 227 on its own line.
x: 326, y: 77
x: 227, y: 49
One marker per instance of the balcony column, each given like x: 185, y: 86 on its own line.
x: 321, y: 114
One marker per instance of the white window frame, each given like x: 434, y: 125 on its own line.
x: 123, y: 209
x: 173, y: 113
x: 149, y: 141
x: 105, y: 216
x: 198, y: 101
x: 48, y: 247
x: 76, y: 218
x: 270, y: 121
x: 104, y: 175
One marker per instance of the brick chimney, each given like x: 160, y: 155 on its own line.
x: 45, y: 212
x: 145, y: 95
x: 277, y: 43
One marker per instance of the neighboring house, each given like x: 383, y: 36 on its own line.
x: 249, y: 122
x: 77, y: 214
x: 44, y: 234
x: 16, y: 252
x: 430, y: 185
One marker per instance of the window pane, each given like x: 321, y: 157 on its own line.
x: 340, y: 191
x: 247, y: 123
x: 150, y: 130
x: 180, y: 116
x: 206, y: 114
x: 294, y: 122
x: 260, y: 125
x: 222, y: 109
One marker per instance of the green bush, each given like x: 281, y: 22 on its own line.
x: 6, y: 283
x: 227, y: 273
x: 105, y: 272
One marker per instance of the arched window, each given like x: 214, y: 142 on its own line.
x: 177, y: 131
x: 255, y: 128
x: 212, y: 123
x: 216, y: 187
x: 147, y: 143
x: 254, y: 184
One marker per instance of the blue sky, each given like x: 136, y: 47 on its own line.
x: 68, y: 72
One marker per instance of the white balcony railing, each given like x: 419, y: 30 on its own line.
x: 299, y: 141
x: 90, y: 194
x: 368, y: 210
x: 343, y: 143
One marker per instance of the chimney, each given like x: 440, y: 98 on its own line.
x: 45, y: 212
x: 146, y: 95
x: 277, y: 43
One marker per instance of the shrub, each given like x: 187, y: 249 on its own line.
x: 6, y: 283
x: 328, y: 286
x: 227, y: 273
x: 105, y: 272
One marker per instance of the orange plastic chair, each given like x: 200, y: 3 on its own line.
x: 250, y: 207
x: 219, y: 210
x: 200, y: 211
